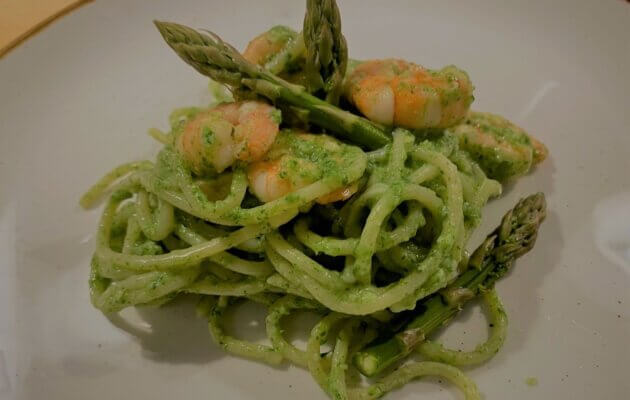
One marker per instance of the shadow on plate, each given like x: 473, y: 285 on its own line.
x: 534, y: 269
x: 174, y: 333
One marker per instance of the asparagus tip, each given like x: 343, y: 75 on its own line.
x: 162, y: 26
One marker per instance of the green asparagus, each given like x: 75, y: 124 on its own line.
x: 493, y: 258
x: 326, y: 49
x: 213, y: 57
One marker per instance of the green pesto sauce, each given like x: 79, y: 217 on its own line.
x: 280, y: 32
x: 499, y: 127
x: 168, y: 162
x: 181, y: 115
x: 207, y: 135
x: 282, y: 36
x: 445, y: 143
x: 502, y: 149
x: 453, y: 92
x: 147, y: 248
x: 97, y: 283
x: 220, y: 93
x: 531, y: 381
x: 448, y: 144
x: 117, y: 241
x: 276, y: 116
x: 320, y: 156
x: 293, y: 198
x: 120, y: 195
x: 158, y: 281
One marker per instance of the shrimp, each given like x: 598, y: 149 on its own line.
x: 540, y: 150
x: 296, y: 160
x: 214, y: 139
x: 341, y: 194
x: 266, y: 45
x: 281, y: 51
x: 397, y: 92
x: 502, y: 149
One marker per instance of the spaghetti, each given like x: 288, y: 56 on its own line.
x: 241, y: 205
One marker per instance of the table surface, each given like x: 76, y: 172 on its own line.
x: 21, y: 18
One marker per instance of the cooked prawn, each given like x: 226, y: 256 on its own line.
x: 503, y: 149
x: 281, y: 51
x: 264, y: 46
x: 295, y: 161
x: 341, y: 194
x: 540, y: 150
x: 214, y: 139
x: 401, y: 93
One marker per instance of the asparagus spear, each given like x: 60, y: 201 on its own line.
x: 211, y: 56
x: 493, y: 258
x: 326, y: 48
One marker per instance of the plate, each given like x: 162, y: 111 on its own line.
x: 77, y: 99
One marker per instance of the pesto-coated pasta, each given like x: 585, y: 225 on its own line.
x: 275, y: 196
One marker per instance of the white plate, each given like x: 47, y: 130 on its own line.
x: 77, y: 99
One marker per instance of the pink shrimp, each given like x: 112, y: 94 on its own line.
x: 214, y: 139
